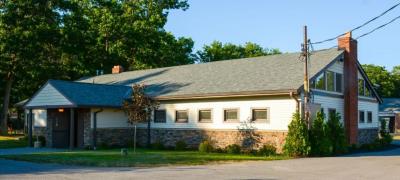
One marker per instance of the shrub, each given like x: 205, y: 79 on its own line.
x: 336, y: 135
x: 297, y: 141
x: 205, y: 147
x: 219, y: 150
x: 180, y: 145
x: 386, y: 138
x: 158, y: 145
x: 319, y: 140
x: 233, y: 149
x: 267, y: 150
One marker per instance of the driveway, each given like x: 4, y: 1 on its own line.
x: 376, y: 165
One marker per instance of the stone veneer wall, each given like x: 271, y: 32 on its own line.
x: 49, y: 130
x: 192, y: 137
x: 367, y: 135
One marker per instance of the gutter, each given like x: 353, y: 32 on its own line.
x: 225, y: 95
x: 94, y: 135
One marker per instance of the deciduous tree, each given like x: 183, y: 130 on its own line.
x: 217, y: 51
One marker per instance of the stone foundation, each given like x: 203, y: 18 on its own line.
x: 366, y: 136
x: 192, y: 137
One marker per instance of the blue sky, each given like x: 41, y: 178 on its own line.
x: 278, y: 24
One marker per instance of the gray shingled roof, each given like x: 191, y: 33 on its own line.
x: 282, y: 72
x: 92, y: 95
x: 390, y: 105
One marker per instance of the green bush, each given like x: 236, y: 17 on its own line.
x: 180, y: 145
x: 386, y: 138
x: 267, y: 150
x: 319, y: 140
x: 336, y: 134
x: 297, y: 140
x: 158, y: 145
x: 219, y: 150
x: 205, y: 147
x: 233, y: 149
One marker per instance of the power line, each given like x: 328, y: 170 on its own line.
x: 369, y: 32
x: 379, y: 27
x: 360, y: 26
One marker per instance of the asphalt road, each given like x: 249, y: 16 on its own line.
x: 377, y: 165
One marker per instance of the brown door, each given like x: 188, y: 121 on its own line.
x: 60, y: 125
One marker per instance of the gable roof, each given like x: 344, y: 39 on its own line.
x: 76, y: 94
x: 390, y: 105
x: 266, y: 74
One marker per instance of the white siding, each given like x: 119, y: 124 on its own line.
x: 330, y: 102
x: 337, y: 67
x: 369, y: 106
x: 280, y: 114
x: 48, y: 96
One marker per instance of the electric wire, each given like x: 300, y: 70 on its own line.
x: 360, y: 26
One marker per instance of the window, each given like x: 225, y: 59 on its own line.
x: 330, y: 81
x: 320, y: 82
x: 331, y: 112
x: 231, y: 115
x: 160, y: 116
x: 369, y: 117
x: 361, y: 88
x: 205, y: 116
x: 339, y: 82
x: 260, y: 115
x: 361, y: 117
x: 367, y: 92
x: 182, y: 116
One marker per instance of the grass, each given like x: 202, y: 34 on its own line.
x: 12, y: 141
x: 142, y: 158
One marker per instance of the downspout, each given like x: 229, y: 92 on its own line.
x: 94, y: 140
x: 294, y: 96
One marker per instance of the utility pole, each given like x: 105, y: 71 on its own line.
x: 306, y: 81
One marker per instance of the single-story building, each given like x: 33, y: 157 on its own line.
x: 389, y: 111
x: 216, y: 100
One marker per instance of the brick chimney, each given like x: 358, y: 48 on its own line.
x: 117, y: 69
x: 349, y: 45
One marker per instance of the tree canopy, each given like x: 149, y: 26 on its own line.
x: 217, y: 51
x: 68, y: 39
x: 387, y: 83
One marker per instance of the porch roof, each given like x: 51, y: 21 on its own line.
x: 57, y: 93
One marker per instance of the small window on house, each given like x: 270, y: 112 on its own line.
x: 361, y: 117
x: 331, y: 112
x: 260, y: 115
x: 330, y: 81
x: 339, y: 82
x: 205, y: 116
x: 160, y: 116
x: 181, y: 116
x: 231, y: 115
x: 369, y: 117
x: 320, y: 82
x: 361, y: 88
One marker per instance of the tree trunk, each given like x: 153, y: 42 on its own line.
x: 6, y: 101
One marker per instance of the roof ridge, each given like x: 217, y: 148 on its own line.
x: 84, y: 83
x: 213, y: 62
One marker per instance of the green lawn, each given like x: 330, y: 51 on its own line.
x: 142, y: 158
x: 12, y: 142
